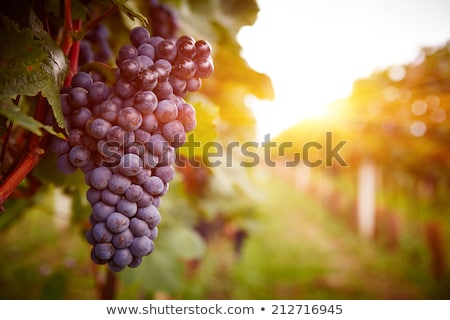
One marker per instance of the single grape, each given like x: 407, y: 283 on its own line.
x: 126, y: 207
x: 141, y: 246
x: 173, y: 131
x: 118, y: 183
x: 184, y: 68
x: 130, y: 164
x: 204, y: 67
x: 203, y: 49
x: 59, y: 146
x: 186, y: 46
x: 126, y: 52
x: 100, y: 177
x: 147, y: 50
x: 163, y: 90
x: 97, y: 128
x: 93, y: 195
x: 149, y: 122
x: 144, y: 62
x: 78, y: 97
x: 117, y: 222
x: 194, y: 84
x: 139, y: 36
x: 80, y: 117
x: 82, y: 79
x: 165, y: 173
x: 129, y: 69
x: 79, y: 156
x: 136, y: 262
x: 134, y: 193
x: 186, y: 115
x: 122, y: 257
x: 108, y: 110
x: 101, y: 233
x: 123, y: 239
x: 129, y: 118
x: 101, y: 211
x: 138, y: 227
x: 166, y: 111
x: 157, y: 144
x: 147, y: 79
x: 150, y: 215
x: 104, y: 251
x: 145, y: 200
x: 125, y: 89
x: 110, y: 197
x: 98, y: 92
x: 145, y: 102
x: 167, y: 50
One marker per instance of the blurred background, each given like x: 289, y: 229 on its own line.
x: 367, y: 79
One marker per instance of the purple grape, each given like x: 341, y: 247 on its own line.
x: 165, y: 173
x: 145, y: 200
x: 184, y: 68
x: 123, y: 239
x: 186, y: 46
x: 122, y: 257
x: 144, y: 62
x: 147, y: 79
x: 150, y: 215
x: 167, y: 50
x: 186, y: 115
x: 130, y: 164
x: 82, y: 79
x: 141, y: 136
x: 126, y: 52
x: 145, y: 102
x: 79, y: 156
x: 154, y: 185
x: 97, y: 128
x: 107, y: 110
x: 138, y: 227
x: 149, y: 122
x: 104, y: 251
x: 163, y: 90
x: 78, y: 97
x: 134, y: 193
x: 126, y: 207
x: 147, y: 50
x: 100, y: 177
x: 101, y: 211
x: 117, y: 222
x: 139, y: 36
x: 59, y: 146
x: 98, y: 92
x: 141, y: 246
x: 101, y: 233
x: 136, y: 262
x: 166, y: 111
x: 129, y: 69
x: 110, y: 197
x: 118, y: 183
x: 129, y: 118
x: 93, y: 195
x: 125, y: 89
x: 158, y: 144
x: 173, y: 131
x: 80, y: 117
x: 203, y: 49
x: 204, y: 67
x: 154, y: 233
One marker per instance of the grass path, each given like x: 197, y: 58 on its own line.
x: 301, y: 252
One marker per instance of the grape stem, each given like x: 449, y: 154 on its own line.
x: 33, y: 153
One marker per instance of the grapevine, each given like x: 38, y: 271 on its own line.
x: 123, y: 138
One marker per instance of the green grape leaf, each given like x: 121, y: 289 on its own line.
x: 12, y: 112
x: 185, y: 243
x: 130, y: 11
x: 30, y: 62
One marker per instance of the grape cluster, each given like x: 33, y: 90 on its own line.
x: 95, y: 46
x: 124, y: 137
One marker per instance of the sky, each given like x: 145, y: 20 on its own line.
x: 314, y: 50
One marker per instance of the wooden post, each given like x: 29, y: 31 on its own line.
x: 366, y: 198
